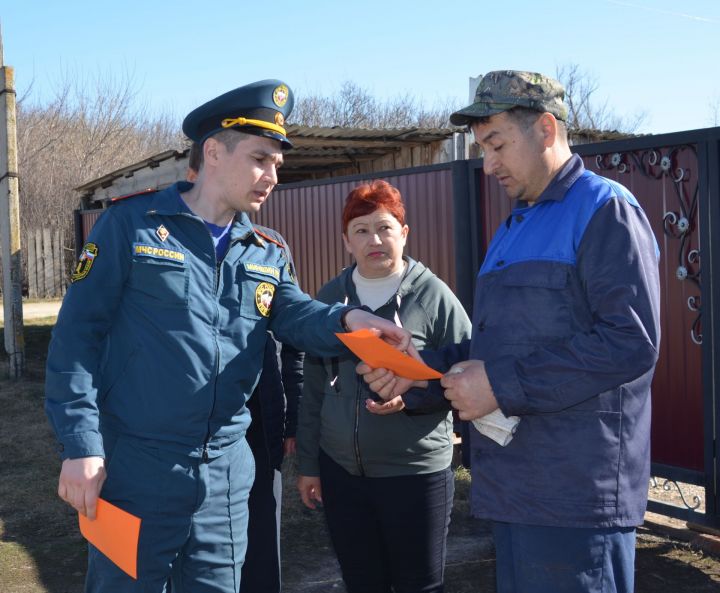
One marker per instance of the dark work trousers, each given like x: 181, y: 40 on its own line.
x: 390, y: 533
x: 194, y: 518
x: 261, y: 570
x: 535, y: 559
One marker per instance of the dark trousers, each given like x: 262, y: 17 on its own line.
x: 194, y: 519
x: 389, y: 534
x: 261, y: 570
x: 534, y: 559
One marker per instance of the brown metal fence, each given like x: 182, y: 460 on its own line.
x: 309, y: 217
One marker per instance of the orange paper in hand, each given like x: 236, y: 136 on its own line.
x: 379, y: 354
x: 115, y: 533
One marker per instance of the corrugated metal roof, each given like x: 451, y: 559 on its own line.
x: 327, y: 148
x: 385, y: 135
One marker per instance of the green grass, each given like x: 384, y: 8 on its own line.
x: 41, y: 550
x: 40, y: 547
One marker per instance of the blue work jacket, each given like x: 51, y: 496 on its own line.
x: 157, y: 340
x: 566, y: 318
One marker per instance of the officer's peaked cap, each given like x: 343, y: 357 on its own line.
x: 259, y: 108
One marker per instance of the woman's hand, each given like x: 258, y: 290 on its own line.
x: 386, y: 383
x: 310, y: 490
x: 393, y: 406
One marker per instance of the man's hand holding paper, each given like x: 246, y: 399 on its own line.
x: 468, y: 389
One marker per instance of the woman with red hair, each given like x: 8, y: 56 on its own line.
x: 381, y: 470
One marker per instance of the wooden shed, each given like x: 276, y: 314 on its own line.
x: 318, y: 153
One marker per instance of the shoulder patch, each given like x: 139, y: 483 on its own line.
x: 291, y: 272
x: 85, y: 262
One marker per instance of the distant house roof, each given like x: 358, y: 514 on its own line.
x: 317, y: 152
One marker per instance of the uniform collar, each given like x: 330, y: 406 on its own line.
x: 568, y: 174
x: 169, y: 202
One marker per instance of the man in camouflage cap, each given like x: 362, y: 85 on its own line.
x: 565, y: 336
x: 504, y: 89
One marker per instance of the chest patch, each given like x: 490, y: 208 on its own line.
x: 162, y: 232
x: 263, y: 298
x: 260, y: 269
x: 141, y: 249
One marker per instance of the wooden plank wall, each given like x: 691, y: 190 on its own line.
x: 48, y: 265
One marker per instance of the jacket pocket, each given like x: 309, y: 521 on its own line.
x: 158, y: 282
x: 532, y: 305
x: 257, y: 292
x: 576, y: 456
x: 115, y: 372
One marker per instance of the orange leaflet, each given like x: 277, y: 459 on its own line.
x: 378, y: 354
x: 115, y: 533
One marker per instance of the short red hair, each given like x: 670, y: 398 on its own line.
x: 368, y: 197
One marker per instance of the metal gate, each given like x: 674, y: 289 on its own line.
x: 676, y: 179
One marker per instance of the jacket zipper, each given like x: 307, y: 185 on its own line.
x: 216, y: 285
x: 356, y: 431
x: 359, y: 391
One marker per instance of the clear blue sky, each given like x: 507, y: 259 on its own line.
x: 657, y: 56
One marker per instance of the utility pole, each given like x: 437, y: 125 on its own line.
x: 10, y: 223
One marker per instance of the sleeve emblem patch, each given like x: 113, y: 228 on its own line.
x: 291, y: 273
x: 263, y: 298
x: 85, y: 262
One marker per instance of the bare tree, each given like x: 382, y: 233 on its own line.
x: 89, y: 127
x: 353, y: 106
x: 586, y: 111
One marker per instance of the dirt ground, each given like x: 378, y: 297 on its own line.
x: 41, y: 550
x: 663, y: 564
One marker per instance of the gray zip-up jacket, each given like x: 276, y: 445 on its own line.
x: 332, y: 412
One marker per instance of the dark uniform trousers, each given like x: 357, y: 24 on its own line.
x: 194, y: 519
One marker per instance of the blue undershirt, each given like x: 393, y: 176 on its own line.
x: 220, y: 234
x: 220, y: 237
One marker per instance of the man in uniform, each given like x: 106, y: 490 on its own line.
x: 160, y: 341
x: 566, y: 334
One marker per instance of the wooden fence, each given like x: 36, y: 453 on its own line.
x: 48, y: 263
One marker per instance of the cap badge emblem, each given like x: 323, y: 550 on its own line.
x: 280, y: 95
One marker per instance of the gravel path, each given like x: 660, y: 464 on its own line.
x: 35, y: 309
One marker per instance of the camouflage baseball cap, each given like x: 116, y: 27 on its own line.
x: 504, y: 89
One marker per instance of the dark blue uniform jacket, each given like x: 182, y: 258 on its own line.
x: 159, y: 341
